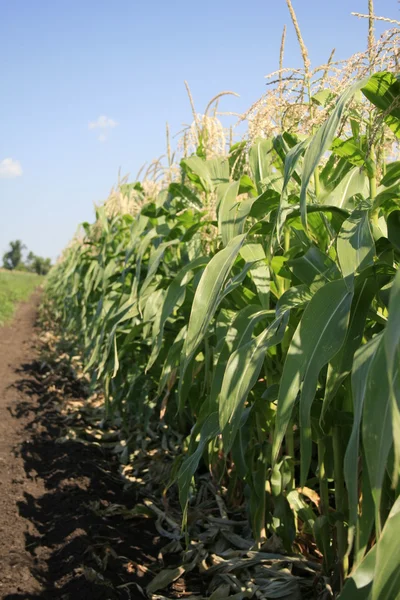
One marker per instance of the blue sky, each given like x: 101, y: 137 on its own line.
x: 66, y: 63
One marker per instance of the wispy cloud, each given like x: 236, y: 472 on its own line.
x: 103, y: 124
x: 10, y: 168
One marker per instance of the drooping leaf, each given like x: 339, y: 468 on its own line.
x: 355, y: 244
x: 207, y: 173
x: 183, y: 191
x: 294, y: 297
x: 392, y: 174
x: 207, y: 296
x: 314, y: 267
x: 241, y: 374
x: 355, y: 182
x: 231, y: 212
x: 383, y: 90
x: 318, y: 337
x: 366, y: 287
x: 377, y: 430
x: 392, y: 348
x: 351, y: 151
x: 291, y: 160
x: 320, y: 144
x: 386, y: 583
x: 359, y: 584
x: 154, y: 262
x: 260, y: 160
x: 363, y: 360
x: 238, y: 333
x: 174, y: 296
x: 260, y: 274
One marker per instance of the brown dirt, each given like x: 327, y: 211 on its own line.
x: 53, y: 545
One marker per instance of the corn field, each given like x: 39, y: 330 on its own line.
x: 243, y: 304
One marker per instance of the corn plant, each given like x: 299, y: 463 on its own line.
x: 253, y: 305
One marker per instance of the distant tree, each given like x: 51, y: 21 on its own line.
x: 29, y: 260
x: 38, y: 264
x: 13, y: 257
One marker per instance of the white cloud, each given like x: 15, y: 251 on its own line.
x: 10, y: 168
x: 103, y: 122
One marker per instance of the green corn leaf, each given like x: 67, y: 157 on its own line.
x: 383, y: 90
x: 236, y: 281
x: 260, y: 160
x: 264, y: 204
x: 182, y: 191
x: 322, y: 97
x: 207, y: 173
x: 151, y: 308
x: 355, y: 244
x: 351, y: 151
x: 154, y: 262
x: 322, y: 536
x: 314, y: 268
x: 246, y: 186
x: 303, y: 510
x: 283, y: 521
x: 294, y: 297
x: 240, y: 376
x: 392, y: 348
x: 363, y: 360
x: 337, y: 214
x: 254, y: 253
x: 392, y: 174
x: 377, y: 429
x: 354, y: 182
x: 208, y: 430
x: 237, y: 159
x: 366, y: 287
x: 256, y: 481
x: 231, y: 217
x: 207, y: 297
x: 172, y: 361
x: 240, y: 331
x: 318, y: 337
x: 250, y: 353
x: 291, y: 160
x: 320, y: 144
x: 388, y: 197
x: 386, y: 583
x: 173, y: 299
x: 358, y: 586
x: 142, y: 248
x: 365, y: 523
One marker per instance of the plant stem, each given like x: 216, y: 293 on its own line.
x: 323, y: 481
x: 290, y: 451
x: 317, y: 185
x: 340, y: 498
x: 286, y: 246
x: 287, y: 239
x: 372, y: 187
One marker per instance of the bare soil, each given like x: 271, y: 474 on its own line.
x: 52, y: 544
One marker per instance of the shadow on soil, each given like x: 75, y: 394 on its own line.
x: 76, y: 553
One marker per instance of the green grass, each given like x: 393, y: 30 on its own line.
x: 15, y: 286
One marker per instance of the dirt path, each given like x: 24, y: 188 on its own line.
x: 16, y: 349
x: 53, y: 542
